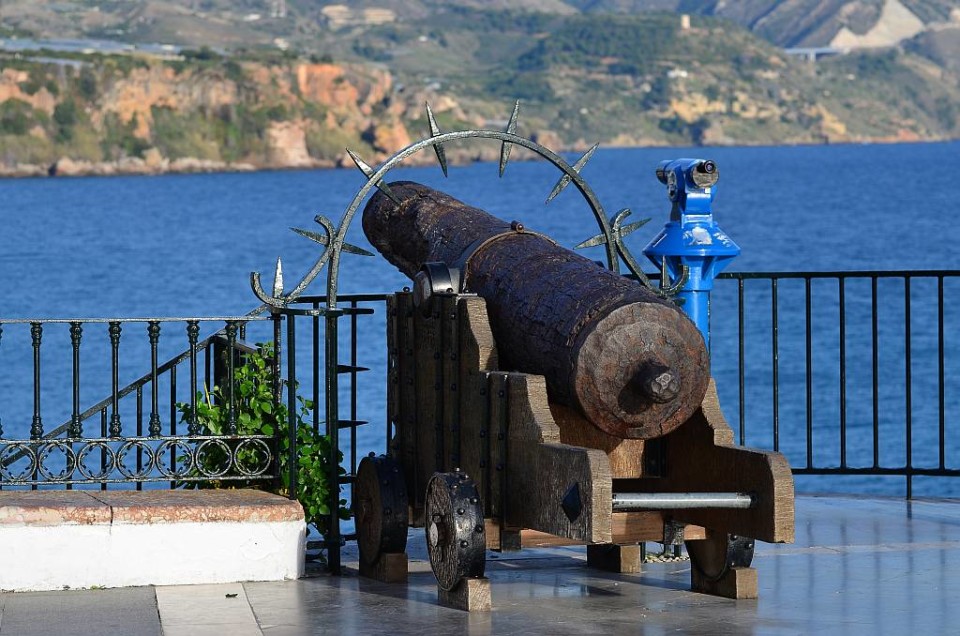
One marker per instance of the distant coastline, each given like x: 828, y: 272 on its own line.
x: 136, y: 166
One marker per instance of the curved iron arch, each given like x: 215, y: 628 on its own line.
x: 334, y: 239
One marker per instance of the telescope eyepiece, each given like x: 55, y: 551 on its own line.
x: 704, y: 174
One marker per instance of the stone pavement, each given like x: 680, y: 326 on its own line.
x: 860, y: 566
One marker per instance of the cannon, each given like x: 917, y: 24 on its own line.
x: 536, y: 398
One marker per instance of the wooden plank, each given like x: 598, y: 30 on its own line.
x: 543, y: 472
x: 537, y: 539
x: 633, y: 527
x: 482, y: 449
x: 510, y: 538
x: 471, y: 595
x: 500, y: 539
x: 391, y: 567
x: 450, y: 363
x: 478, y: 354
x: 737, y: 583
x: 531, y: 426
x: 426, y: 327
x: 646, y: 525
x: 558, y: 472
x: 701, y: 457
x: 497, y: 442
x: 474, y: 409
x: 393, y: 380
x: 622, y: 559
x: 531, y: 420
x: 491, y: 533
x: 478, y: 350
x: 626, y: 455
x: 407, y: 394
x: 625, y: 530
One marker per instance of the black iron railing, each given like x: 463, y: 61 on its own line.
x: 850, y: 374
x: 147, y: 430
x: 336, y: 403
x: 847, y: 373
x: 144, y: 431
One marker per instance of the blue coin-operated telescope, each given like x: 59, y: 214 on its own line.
x: 691, y: 238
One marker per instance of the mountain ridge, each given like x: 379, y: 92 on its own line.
x: 584, y: 75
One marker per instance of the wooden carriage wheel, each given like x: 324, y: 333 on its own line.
x: 456, y: 541
x: 380, y: 508
x: 714, y: 556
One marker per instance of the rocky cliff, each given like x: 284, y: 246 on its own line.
x: 157, y: 116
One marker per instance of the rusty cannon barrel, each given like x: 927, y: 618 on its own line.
x: 631, y: 362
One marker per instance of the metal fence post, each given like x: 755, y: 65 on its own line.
x: 332, y: 385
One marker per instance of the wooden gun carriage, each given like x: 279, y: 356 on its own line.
x: 487, y: 458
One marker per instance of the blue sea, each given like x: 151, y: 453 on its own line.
x: 185, y: 245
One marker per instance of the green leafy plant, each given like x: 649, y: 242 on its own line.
x: 256, y: 413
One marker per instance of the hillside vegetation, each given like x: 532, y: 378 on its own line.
x: 252, y: 89
x: 206, y: 113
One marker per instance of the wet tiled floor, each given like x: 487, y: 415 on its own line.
x: 859, y: 566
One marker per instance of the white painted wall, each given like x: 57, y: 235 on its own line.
x: 117, y: 555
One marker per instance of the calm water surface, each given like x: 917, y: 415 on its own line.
x: 183, y: 245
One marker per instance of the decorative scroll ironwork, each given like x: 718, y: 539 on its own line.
x: 137, y: 459
x: 63, y: 456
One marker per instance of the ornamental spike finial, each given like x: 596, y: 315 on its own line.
x: 368, y: 172
x: 326, y: 238
x: 432, y: 121
x: 617, y: 231
x: 360, y: 163
x: 278, y: 280
x: 506, y: 147
x: 577, y: 167
x: 437, y: 148
x: 316, y: 237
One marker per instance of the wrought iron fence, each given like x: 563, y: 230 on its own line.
x: 148, y: 430
x: 144, y: 431
x: 847, y: 373
x: 326, y: 365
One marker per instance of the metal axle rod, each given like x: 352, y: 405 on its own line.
x: 623, y: 501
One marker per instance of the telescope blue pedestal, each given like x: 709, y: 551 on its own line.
x: 692, y: 238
